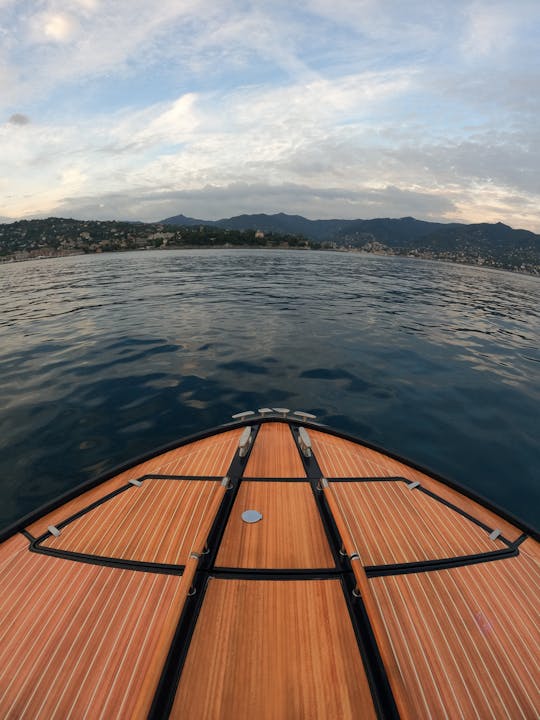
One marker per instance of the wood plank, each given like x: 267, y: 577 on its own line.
x: 274, y: 454
x: 211, y: 456
x: 343, y: 458
x: 273, y: 649
x: 78, y: 640
x: 156, y: 522
x: 290, y: 534
x: 467, y: 638
x: 391, y: 524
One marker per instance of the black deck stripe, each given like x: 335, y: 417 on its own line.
x: 439, y: 563
x: 275, y: 479
x: 464, y: 513
x: 179, y: 647
x: 170, y: 676
x: 87, y: 509
x: 137, y: 565
x: 275, y: 573
x: 381, y: 692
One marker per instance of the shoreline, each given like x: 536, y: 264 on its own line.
x: 355, y: 251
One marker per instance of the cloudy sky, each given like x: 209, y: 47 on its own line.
x: 131, y: 109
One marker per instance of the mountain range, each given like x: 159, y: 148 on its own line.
x: 498, y: 244
x: 492, y: 245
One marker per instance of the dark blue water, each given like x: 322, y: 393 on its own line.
x: 105, y: 357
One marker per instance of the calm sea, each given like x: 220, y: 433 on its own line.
x: 105, y: 357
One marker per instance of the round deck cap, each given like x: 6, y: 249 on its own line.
x: 251, y: 516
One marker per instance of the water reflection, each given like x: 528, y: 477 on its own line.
x: 105, y: 357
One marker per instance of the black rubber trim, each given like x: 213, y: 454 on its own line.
x: 178, y: 650
x: 234, y: 474
x: 381, y: 692
x: 154, y: 476
x: 179, y: 647
x: 464, y: 513
x: 87, y: 509
x: 108, y: 560
x: 393, y: 478
x: 439, y: 564
x: 477, y: 497
x: 234, y: 573
x: 275, y: 479
x: 313, y: 472
x: 137, y: 565
x: 432, y: 495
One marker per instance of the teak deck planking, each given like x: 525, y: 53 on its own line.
x: 77, y: 639
x: 274, y: 454
x: 343, y: 458
x: 155, y: 523
x: 286, y: 649
x: 454, y: 636
x: 85, y: 640
x: 390, y: 523
x: 208, y: 457
x: 290, y: 534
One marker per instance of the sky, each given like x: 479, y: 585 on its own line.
x: 134, y: 110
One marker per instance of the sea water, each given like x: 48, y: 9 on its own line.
x: 105, y: 357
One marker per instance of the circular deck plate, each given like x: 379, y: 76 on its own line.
x: 251, y: 516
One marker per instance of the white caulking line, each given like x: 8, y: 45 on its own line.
x: 127, y: 654
x: 36, y: 622
x: 402, y: 515
x: 156, y: 491
x: 84, y: 529
x: 26, y: 604
x: 419, y: 644
x: 129, y: 691
x: 429, y: 518
x: 182, y: 547
x: 449, y: 578
x: 123, y: 528
x: 22, y: 663
x: 127, y: 611
x: 524, y: 599
x: 502, y: 626
x: 67, y: 681
x: 405, y: 644
x: 443, y: 632
x: 342, y: 494
x: 175, y: 516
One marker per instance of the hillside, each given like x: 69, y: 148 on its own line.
x: 492, y: 245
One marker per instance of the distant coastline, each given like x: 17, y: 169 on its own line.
x: 514, y: 251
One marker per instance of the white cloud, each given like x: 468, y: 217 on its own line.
x: 368, y: 104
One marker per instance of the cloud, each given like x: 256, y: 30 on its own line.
x: 374, y: 108
x: 19, y: 119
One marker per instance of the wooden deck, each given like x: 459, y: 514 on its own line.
x: 154, y: 523
x: 273, y: 649
x: 290, y: 535
x: 274, y: 454
x: 76, y: 639
x: 390, y: 523
x: 204, y: 458
x: 273, y: 613
x: 467, y: 639
x: 339, y: 458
